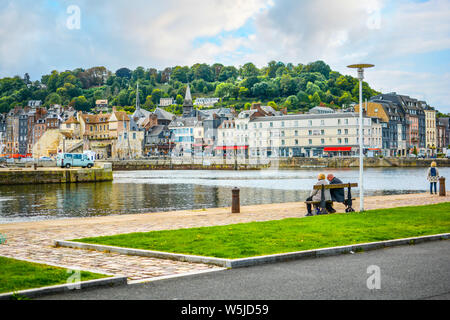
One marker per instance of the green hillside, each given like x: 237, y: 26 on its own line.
x: 297, y: 87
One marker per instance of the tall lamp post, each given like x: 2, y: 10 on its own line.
x: 361, y: 68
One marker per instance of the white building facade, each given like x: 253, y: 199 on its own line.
x: 311, y: 135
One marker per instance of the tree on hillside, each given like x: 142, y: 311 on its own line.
x: 180, y: 74
x: 202, y: 71
x: 80, y: 103
x: 249, y: 70
x: 53, y: 98
x: 228, y: 73
x: 123, y: 73
x: 320, y: 67
x: 226, y: 90
x: 216, y: 68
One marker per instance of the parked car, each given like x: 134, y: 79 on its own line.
x: 67, y: 160
x: 421, y: 156
x: 448, y: 154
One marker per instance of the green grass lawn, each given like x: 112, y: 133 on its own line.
x: 16, y: 275
x: 289, y: 235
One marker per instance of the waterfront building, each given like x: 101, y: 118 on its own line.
x: 39, y: 129
x: 233, y: 135
x: 393, y: 126
x: 430, y: 130
x: 227, y: 139
x: 182, y: 129
x: 157, y: 140
x: 182, y: 133
x: 2, y: 133
x: 445, y: 121
x: 211, y: 124
x: 309, y: 135
x: 412, y: 115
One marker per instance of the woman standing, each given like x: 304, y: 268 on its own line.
x: 433, y: 177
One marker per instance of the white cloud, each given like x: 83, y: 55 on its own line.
x: 33, y: 37
x: 424, y: 86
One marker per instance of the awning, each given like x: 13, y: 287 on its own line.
x: 232, y: 148
x: 337, y: 149
x: 374, y: 149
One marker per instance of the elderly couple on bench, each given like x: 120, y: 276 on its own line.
x: 336, y: 195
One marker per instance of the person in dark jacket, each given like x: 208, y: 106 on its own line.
x: 433, y: 177
x: 337, y: 195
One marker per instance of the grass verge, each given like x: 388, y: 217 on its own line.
x: 16, y: 275
x: 290, y: 235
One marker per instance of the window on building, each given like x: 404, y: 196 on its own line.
x: 339, y: 141
x: 296, y: 133
x: 310, y: 141
x: 322, y: 141
x: 296, y: 142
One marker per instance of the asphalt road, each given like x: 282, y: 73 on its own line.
x: 408, y: 272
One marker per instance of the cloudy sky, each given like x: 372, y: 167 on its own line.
x: 407, y: 40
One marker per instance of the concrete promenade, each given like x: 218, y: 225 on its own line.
x: 34, y: 240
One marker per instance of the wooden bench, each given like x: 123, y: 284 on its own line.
x: 322, y: 204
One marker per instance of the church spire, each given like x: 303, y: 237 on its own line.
x: 188, y: 97
x: 188, y: 106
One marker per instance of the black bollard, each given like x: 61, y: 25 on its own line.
x: 235, y: 206
x: 442, y: 187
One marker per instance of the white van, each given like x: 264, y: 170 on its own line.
x: 67, y: 160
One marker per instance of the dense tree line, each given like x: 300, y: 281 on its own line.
x: 297, y: 87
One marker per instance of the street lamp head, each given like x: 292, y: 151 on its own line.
x: 360, y: 68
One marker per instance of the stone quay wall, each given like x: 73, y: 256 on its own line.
x: 19, y: 176
x: 289, y: 163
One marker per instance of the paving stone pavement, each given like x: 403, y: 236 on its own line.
x: 34, y: 240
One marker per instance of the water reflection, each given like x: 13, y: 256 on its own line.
x: 152, y: 191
